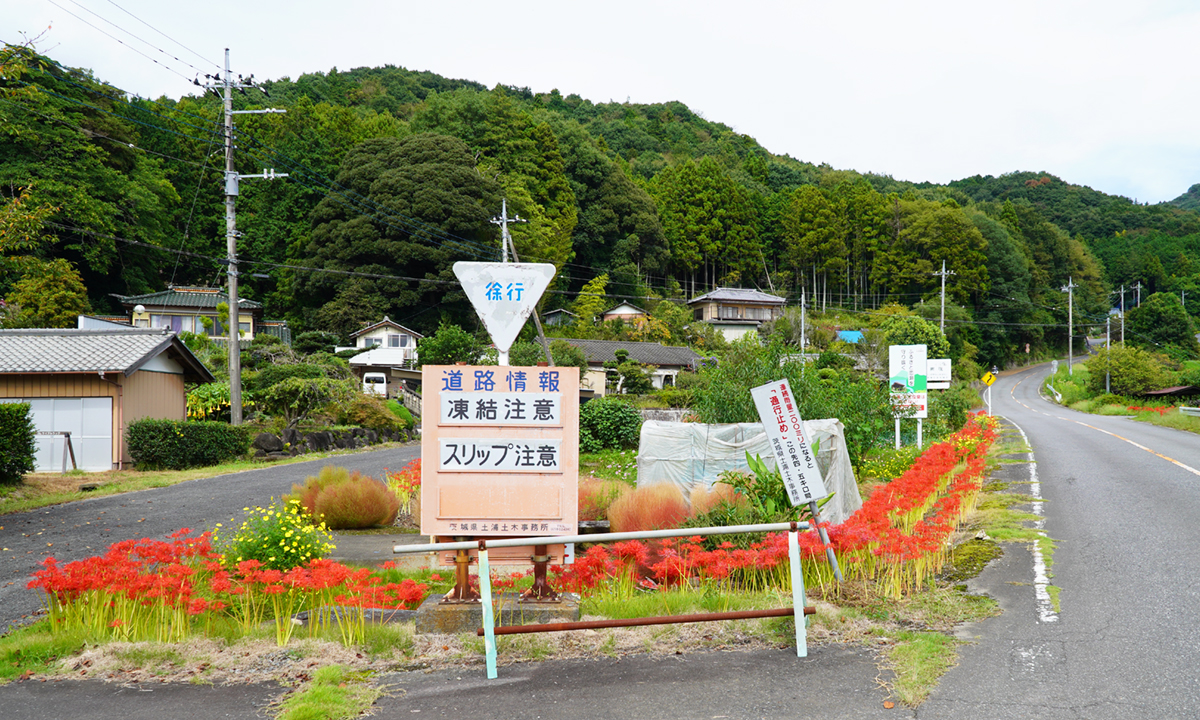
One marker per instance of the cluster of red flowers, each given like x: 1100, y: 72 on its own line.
x: 899, y: 535
x: 407, y: 479
x: 151, y: 589
x: 1160, y: 410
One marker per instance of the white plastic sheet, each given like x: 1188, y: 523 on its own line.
x: 689, y: 454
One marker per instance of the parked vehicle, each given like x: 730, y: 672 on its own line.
x: 375, y: 383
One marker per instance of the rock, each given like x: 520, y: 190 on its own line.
x: 319, y: 441
x: 267, y: 443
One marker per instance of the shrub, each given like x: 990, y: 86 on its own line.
x: 1132, y: 371
x: 402, y: 412
x: 675, y: 397
x: 176, y: 444
x: 280, y: 537
x: 370, y: 411
x: 608, y: 423
x: 346, y: 500
x: 650, y: 507
x: 948, y: 408
x: 596, y: 496
x: 17, y: 442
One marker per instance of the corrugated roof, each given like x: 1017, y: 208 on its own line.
x: 738, y: 295
x: 599, y: 351
x: 91, y: 351
x: 189, y: 297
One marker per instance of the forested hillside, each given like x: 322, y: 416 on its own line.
x: 393, y: 175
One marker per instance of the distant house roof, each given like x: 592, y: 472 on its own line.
x: 738, y: 295
x: 101, y: 322
x: 123, y: 350
x: 625, y: 306
x: 385, y: 322
x: 187, y: 297
x: 601, y: 351
x: 850, y: 336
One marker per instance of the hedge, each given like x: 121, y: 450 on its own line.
x: 178, y: 444
x: 17, y: 442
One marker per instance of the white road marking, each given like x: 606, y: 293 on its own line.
x: 1041, y: 577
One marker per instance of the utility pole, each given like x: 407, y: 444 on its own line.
x: 1069, y: 289
x: 1138, y: 287
x: 507, y: 243
x: 943, y: 274
x: 231, y: 234
x: 803, y: 307
x: 1107, y: 354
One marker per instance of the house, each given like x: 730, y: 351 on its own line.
x: 92, y: 384
x: 389, y: 334
x: 559, y: 317
x: 666, y: 362
x: 194, y: 309
x: 736, y: 311
x: 631, y: 314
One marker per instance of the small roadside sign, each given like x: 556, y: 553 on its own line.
x: 785, y: 431
x: 504, y: 295
x: 988, y: 379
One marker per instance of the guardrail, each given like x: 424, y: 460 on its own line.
x: 1193, y: 411
x: 490, y: 630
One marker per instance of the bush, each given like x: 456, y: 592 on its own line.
x: 372, y: 412
x: 346, y: 500
x: 608, y: 423
x: 948, y: 408
x: 596, y: 496
x: 675, y: 397
x: 650, y: 507
x: 280, y: 537
x: 17, y: 442
x: 1132, y: 370
x: 402, y: 412
x: 176, y: 444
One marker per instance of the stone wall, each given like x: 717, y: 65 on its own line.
x: 293, y: 442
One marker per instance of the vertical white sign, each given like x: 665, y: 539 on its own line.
x: 907, y: 373
x: 785, y: 431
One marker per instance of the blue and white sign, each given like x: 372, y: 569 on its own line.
x: 504, y: 295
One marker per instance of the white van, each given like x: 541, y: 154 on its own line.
x: 375, y: 383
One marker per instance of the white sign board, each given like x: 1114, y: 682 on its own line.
x: 785, y: 431
x: 504, y: 295
x: 939, y: 374
x: 907, y: 377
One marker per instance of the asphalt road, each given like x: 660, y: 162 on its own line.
x: 81, y: 529
x: 1122, y: 500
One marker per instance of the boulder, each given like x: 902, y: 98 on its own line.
x: 267, y: 442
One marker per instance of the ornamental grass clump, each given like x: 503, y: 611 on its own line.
x: 279, y: 537
x: 650, y: 507
x: 346, y: 500
x: 596, y: 496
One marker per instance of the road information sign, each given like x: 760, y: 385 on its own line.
x: 785, y: 431
x: 500, y: 452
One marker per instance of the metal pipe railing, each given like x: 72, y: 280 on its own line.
x: 599, y: 537
x: 489, y: 629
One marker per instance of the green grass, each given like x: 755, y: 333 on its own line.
x: 679, y: 602
x: 919, y: 659
x: 35, y: 649
x: 334, y: 693
x: 610, y: 465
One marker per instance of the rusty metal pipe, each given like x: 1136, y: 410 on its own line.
x: 632, y: 622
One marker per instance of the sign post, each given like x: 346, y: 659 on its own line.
x: 794, y: 456
x: 907, y: 374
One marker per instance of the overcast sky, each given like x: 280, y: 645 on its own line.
x: 1100, y: 93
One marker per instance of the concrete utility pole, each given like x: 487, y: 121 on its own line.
x: 803, y: 307
x: 943, y: 274
x: 1138, y: 287
x: 1069, y: 289
x: 231, y: 234
x: 1107, y: 354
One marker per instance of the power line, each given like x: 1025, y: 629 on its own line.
x: 160, y: 32
x: 119, y: 40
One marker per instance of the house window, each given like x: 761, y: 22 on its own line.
x: 394, y: 341
x: 403, y: 341
x: 371, y: 342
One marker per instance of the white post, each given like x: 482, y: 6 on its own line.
x: 898, y: 432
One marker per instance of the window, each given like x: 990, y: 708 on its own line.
x: 394, y: 341
x: 403, y: 341
x: 371, y: 342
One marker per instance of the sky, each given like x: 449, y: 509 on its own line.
x: 1100, y: 93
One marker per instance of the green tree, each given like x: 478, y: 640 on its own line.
x: 529, y: 354
x: 1130, y: 371
x: 588, y: 305
x: 1161, y: 324
x: 50, y: 295
x: 449, y: 345
x: 913, y: 330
